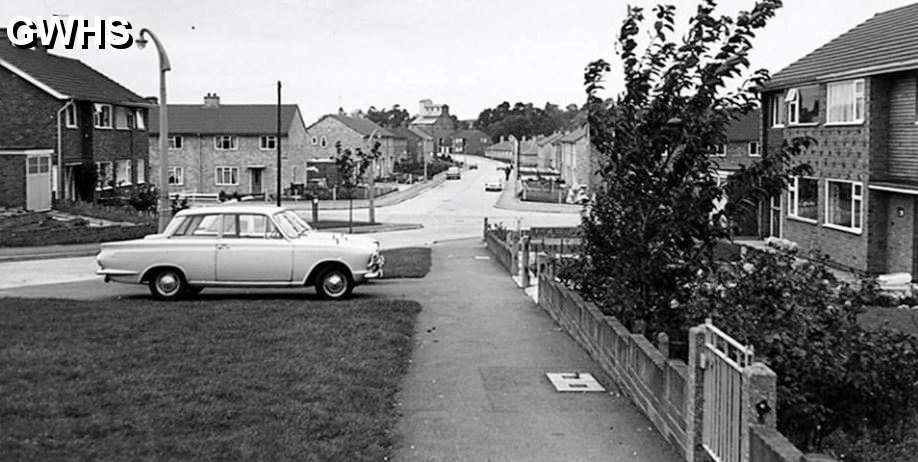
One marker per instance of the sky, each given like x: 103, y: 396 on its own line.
x: 469, y: 54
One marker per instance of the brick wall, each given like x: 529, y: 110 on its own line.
x: 12, y: 181
x: 334, y: 131
x: 28, y: 115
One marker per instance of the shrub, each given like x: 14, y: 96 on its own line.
x: 832, y: 373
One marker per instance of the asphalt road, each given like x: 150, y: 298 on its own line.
x: 451, y: 211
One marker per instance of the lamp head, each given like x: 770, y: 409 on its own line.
x: 141, y: 42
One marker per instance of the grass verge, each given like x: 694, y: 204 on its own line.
x: 242, y: 379
x: 407, y: 262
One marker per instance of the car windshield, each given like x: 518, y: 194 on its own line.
x: 291, y: 223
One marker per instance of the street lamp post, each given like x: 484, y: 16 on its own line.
x: 162, y: 208
x: 371, y: 192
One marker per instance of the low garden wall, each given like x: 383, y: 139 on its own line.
x: 669, y: 392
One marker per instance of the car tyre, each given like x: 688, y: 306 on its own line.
x: 334, y: 283
x: 168, y: 285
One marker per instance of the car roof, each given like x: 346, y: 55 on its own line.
x: 234, y: 208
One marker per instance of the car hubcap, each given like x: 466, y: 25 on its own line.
x: 167, y: 283
x: 334, y: 284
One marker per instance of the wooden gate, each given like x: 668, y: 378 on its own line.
x: 724, y: 361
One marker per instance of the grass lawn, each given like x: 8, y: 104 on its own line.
x: 240, y: 379
x: 407, y: 262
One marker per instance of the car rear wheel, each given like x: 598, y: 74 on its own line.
x: 334, y: 283
x: 168, y: 284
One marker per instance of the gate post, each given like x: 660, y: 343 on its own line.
x: 759, y: 401
x: 524, y: 262
x: 694, y: 412
x: 484, y: 234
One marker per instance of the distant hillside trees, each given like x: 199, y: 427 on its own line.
x: 526, y: 120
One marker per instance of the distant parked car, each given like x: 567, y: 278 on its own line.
x: 473, y: 166
x: 241, y: 246
x: 453, y: 173
x: 493, y: 186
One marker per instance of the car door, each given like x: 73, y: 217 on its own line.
x: 251, y: 250
x: 192, y: 246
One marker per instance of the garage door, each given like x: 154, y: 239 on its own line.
x: 38, y: 182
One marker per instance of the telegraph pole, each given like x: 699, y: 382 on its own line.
x: 278, y: 143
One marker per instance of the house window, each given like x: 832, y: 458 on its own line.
x: 141, y: 171
x: 105, y: 175
x: 176, y: 176
x: 777, y: 110
x: 38, y: 165
x: 121, y: 118
x: 844, y: 205
x: 323, y: 142
x: 70, y: 116
x: 227, y: 176
x: 102, y: 115
x: 754, y: 149
x: 846, y: 102
x: 803, y: 105
x: 315, y: 140
x: 225, y: 143
x: 802, y: 198
x: 123, y: 175
x: 267, y: 143
x: 719, y: 150
x: 141, y: 123
x: 175, y: 142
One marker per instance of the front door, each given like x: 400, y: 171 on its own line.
x: 251, y: 250
x: 256, y: 181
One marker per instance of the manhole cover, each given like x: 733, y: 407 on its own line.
x: 574, y: 381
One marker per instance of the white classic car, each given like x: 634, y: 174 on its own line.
x: 241, y: 246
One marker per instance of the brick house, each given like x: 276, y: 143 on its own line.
x: 470, y: 141
x: 502, y: 150
x: 95, y: 126
x: 578, y: 158
x: 231, y: 148
x: 856, y: 97
x: 354, y: 132
x: 743, y: 147
x: 435, y: 120
x: 549, y: 147
x: 414, y: 144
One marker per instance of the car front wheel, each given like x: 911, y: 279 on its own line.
x: 168, y: 284
x: 334, y: 284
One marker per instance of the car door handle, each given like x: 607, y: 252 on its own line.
x: 222, y: 246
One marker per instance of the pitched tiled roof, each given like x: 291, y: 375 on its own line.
x: 745, y: 128
x: 360, y: 125
x: 70, y: 78
x: 575, y: 135
x: 501, y: 146
x: 550, y: 138
x: 227, y: 119
x: 406, y: 133
x: 887, y: 42
x: 470, y: 133
x: 421, y: 133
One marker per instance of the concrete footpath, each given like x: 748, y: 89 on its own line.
x: 509, y: 201
x: 476, y: 388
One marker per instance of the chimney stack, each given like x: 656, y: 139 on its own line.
x: 211, y: 100
x: 152, y: 100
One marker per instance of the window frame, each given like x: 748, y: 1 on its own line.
x: 140, y: 122
x: 234, y: 142
x: 173, y: 146
x: 70, y: 116
x: 98, y: 111
x: 104, y: 186
x: 178, y: 173
x: 854, y: 102
x: 855, y: 199
x: 218, y: 177
x: 323, y: 142
x: 793, y: 202
x: 719, y: 153
x: 778, y: 111
x: 140, y: 171
x: 758, y: 148
x: 263, y: 144
x: 124, y: 166
x: 116, y: 110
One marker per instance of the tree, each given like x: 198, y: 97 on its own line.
x: 526, y: 120
x: 352, y: 166
x: 389, y: 118
x: 653, y: 224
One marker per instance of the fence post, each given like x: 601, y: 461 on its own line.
x: 759, y: 401
x: 484, y: 234
x: 513, y: 247
x: 524, y: 259
x: 694, y: 412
